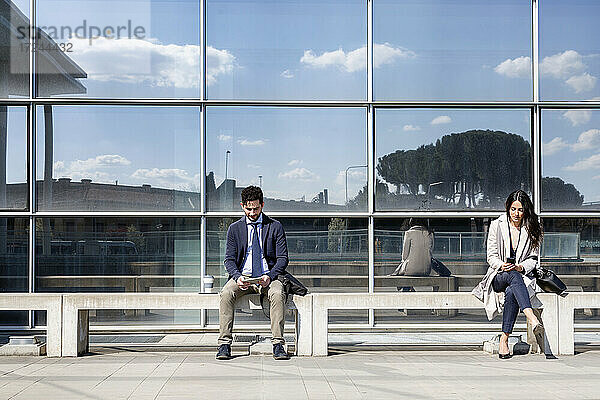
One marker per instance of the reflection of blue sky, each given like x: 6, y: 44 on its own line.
x: 299, y: 152
x: 16, y: 145
x: 569, y: 44
x: 457, y: 46
x: 269, y: 39
x: 166, y: 63
x: 134, y: 145
x: 571, y: 149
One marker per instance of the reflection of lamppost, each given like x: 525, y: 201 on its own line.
x: 429, y: 189
x: 260, y: 181
x: 226, y: 162
x: 347, y: 169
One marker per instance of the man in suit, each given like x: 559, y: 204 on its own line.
x: 257, y: 248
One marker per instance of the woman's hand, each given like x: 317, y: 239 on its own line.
x: 510, y: 267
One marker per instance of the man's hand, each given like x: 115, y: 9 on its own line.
x: 242, y: 283
x: 264, y: 281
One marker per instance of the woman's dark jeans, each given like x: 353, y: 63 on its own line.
x: 515, y: 297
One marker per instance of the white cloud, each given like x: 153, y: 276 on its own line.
x: 582, y: 83
x: 355, y: 175
x: 254, y: 166
x: 578, y: 117
x: 218, y: 62
x: 411, y: 128
x: 92, y: 168
x: 138, y: 61
x: 287, y: 74
x: 355, y: 60
x: 588, y: 140
x: 592, y: 162
x: 302, y: 174
x: 554, y: 146
x: 563, y: 65
x: 442, y: 119
x: 101, y: 161
x: 294, y: 162
x: 518, y: 68
x: 164, y: 173
x: 246, y: 142
x: 388, y: 54
x: 224, y: 138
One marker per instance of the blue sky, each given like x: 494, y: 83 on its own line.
x: 16, y: 145
x: 571, y: 149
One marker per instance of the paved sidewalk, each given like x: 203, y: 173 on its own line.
x: 111, y: 373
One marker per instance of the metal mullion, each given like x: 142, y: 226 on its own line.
x: 203, y: 49
x: 537, y: 160
x: 437, y: 214
x: 292, y: 214
x: 203, y: 255
x: 32, y: 25
x: 570, y: 214
x: 535, y: 49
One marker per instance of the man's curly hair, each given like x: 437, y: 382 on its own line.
x: 252, y: 193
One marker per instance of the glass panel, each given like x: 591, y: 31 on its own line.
x: 452, y: 50
x: 98, y: 158
x: 572, y: 251
x: 326, y: 254
x: 14, y: 233
x: 14, y: 191
x: 569, y: 63
x: 123, y: 254
x: 304, y: 159
x: 435, y: 159
x: 294, y: 49
x: 458, y: 245
x: 113, y: 48
x: 571, y: 159
x: 14, y: 48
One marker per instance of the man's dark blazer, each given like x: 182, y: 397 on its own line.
x: 274, y: 246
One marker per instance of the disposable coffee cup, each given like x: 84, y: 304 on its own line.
x: 209, y: 281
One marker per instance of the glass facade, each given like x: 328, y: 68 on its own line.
x: 129, y: 128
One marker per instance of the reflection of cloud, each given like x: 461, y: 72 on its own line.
x: 518, y: 68
x: 355, y: 60
x: 287, y: 74
x: 578, y: 117
x: 294, y: 162
x: 90, y: 168
x: 224, y: 138
x: 588, y: 140
x: 563, y: 65
x: 411, y: 128
x: 218, y: 62
x: 554, y: 146
x: 302, y: 174
x: 171, y: 178
x: 592, y: 162
x: 254, y: 166
x: 570, y: 67
x: 138, y: 61
x: 442, y: 119
x: 582, y: 83
x: 355, y: 175
x: 246, y: 142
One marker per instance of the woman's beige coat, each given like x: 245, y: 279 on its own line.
x: 417, y: 251
x: 498, y: 250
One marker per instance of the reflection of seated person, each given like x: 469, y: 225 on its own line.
x: 417, y: 259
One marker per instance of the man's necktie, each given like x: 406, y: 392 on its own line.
x: 256, y: 252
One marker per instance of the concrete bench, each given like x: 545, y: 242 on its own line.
x: 75, y: 313
x: 52, y: 303
x: 566, y: 311
x: 323, y: 302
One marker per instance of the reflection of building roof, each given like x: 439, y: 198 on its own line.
x: 56, y: 72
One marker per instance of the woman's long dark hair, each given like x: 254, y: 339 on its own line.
x: 530, y: 218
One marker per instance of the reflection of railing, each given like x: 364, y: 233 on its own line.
x: 466, y: 245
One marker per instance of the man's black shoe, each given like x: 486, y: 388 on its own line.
x: 279, y: 352
x: 224, y: 352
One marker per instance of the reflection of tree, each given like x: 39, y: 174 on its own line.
x: 382, y: 197
x: 558, y: 194
x: 335, y: 234
x: 137, y: 237
x: 477, y: 167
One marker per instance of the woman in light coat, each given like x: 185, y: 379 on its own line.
x: 416, y: 250
x: 512, y: 253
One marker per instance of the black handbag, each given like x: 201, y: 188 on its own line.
x: 548, y: 281
x: 291, y: 285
